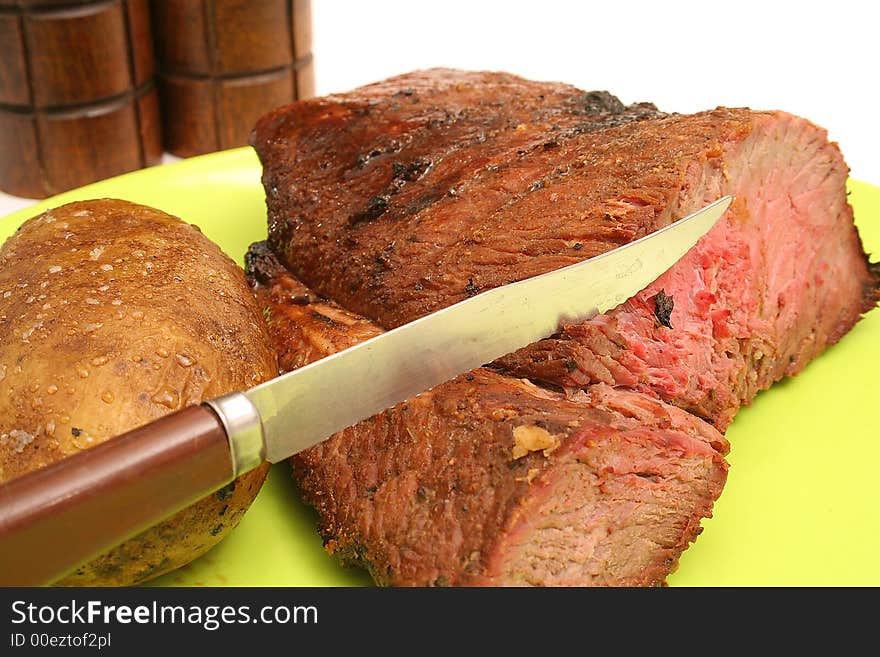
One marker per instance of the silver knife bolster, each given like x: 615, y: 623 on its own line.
x: 244, y: 429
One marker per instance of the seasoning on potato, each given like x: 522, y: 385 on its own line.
x: 113, y: 314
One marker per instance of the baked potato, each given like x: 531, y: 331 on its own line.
x: 111, y: 315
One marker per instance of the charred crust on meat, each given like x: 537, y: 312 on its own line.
x: 260, y: 263
x: 75, y: 431
x: 323, y: 318
x: 225, y: 492
x: 363, y: 158
x: 471, y: 288
x: 425, y: 200
x: 410, y: 171
x: 217, y: 530
x: 596, y: 102
x: 376, y: 207
x: 417, y: 281
x: 872, y: 289
x: 402, y: 173
x: 663, y: 305
x: 382, y: 262
x: 609, y: 115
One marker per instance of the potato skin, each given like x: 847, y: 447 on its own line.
x: 111, y: 315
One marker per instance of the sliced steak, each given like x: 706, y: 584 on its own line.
x: 411, y: 194
x: 491, y: 480
x: 406, y: 196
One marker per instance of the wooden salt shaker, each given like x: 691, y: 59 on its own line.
x: 224, y: 63
x: 77, y: 100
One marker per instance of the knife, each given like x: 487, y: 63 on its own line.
x: 57, y: 517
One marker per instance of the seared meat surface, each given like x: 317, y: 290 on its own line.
x: 490, y: 480
x: 403, y: 197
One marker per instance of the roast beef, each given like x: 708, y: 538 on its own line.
x: 405, y: 196
x: 492, y: 480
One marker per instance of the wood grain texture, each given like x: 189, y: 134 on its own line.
x: 45, y: 153
x: 77, y: 101
x: 252, y: 36
x: 223, y: 64
x: 187, y: 111
x: 202, y: 115
x: 179, y: 30
x: 302, y: 29
x: 92, y: 135
x: 20, y: 167
x: 77, y: 54
x: 150, y: 126
x: 143, y: 60
x: 13, y: 70
x: 305, y: 78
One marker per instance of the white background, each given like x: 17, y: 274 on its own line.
x: 818, y: 60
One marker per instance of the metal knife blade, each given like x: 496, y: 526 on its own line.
x: 159, y: 468
x: 297, y: 410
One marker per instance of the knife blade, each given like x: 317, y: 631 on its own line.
x: 291, y: 411
x: 104, y: 495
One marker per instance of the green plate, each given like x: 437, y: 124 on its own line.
x: 801, y: 505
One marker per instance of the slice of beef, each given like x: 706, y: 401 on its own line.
x: 406, y: 196
x: 363, y: 186
x: 491, y: 480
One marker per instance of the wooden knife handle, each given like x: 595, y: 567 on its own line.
x: 56, y: 518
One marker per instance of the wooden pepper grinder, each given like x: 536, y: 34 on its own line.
x: 224, y: 63
x: 77, y: 100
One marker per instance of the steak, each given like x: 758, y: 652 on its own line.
x: 492, y: 480
x: 408, y: 195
